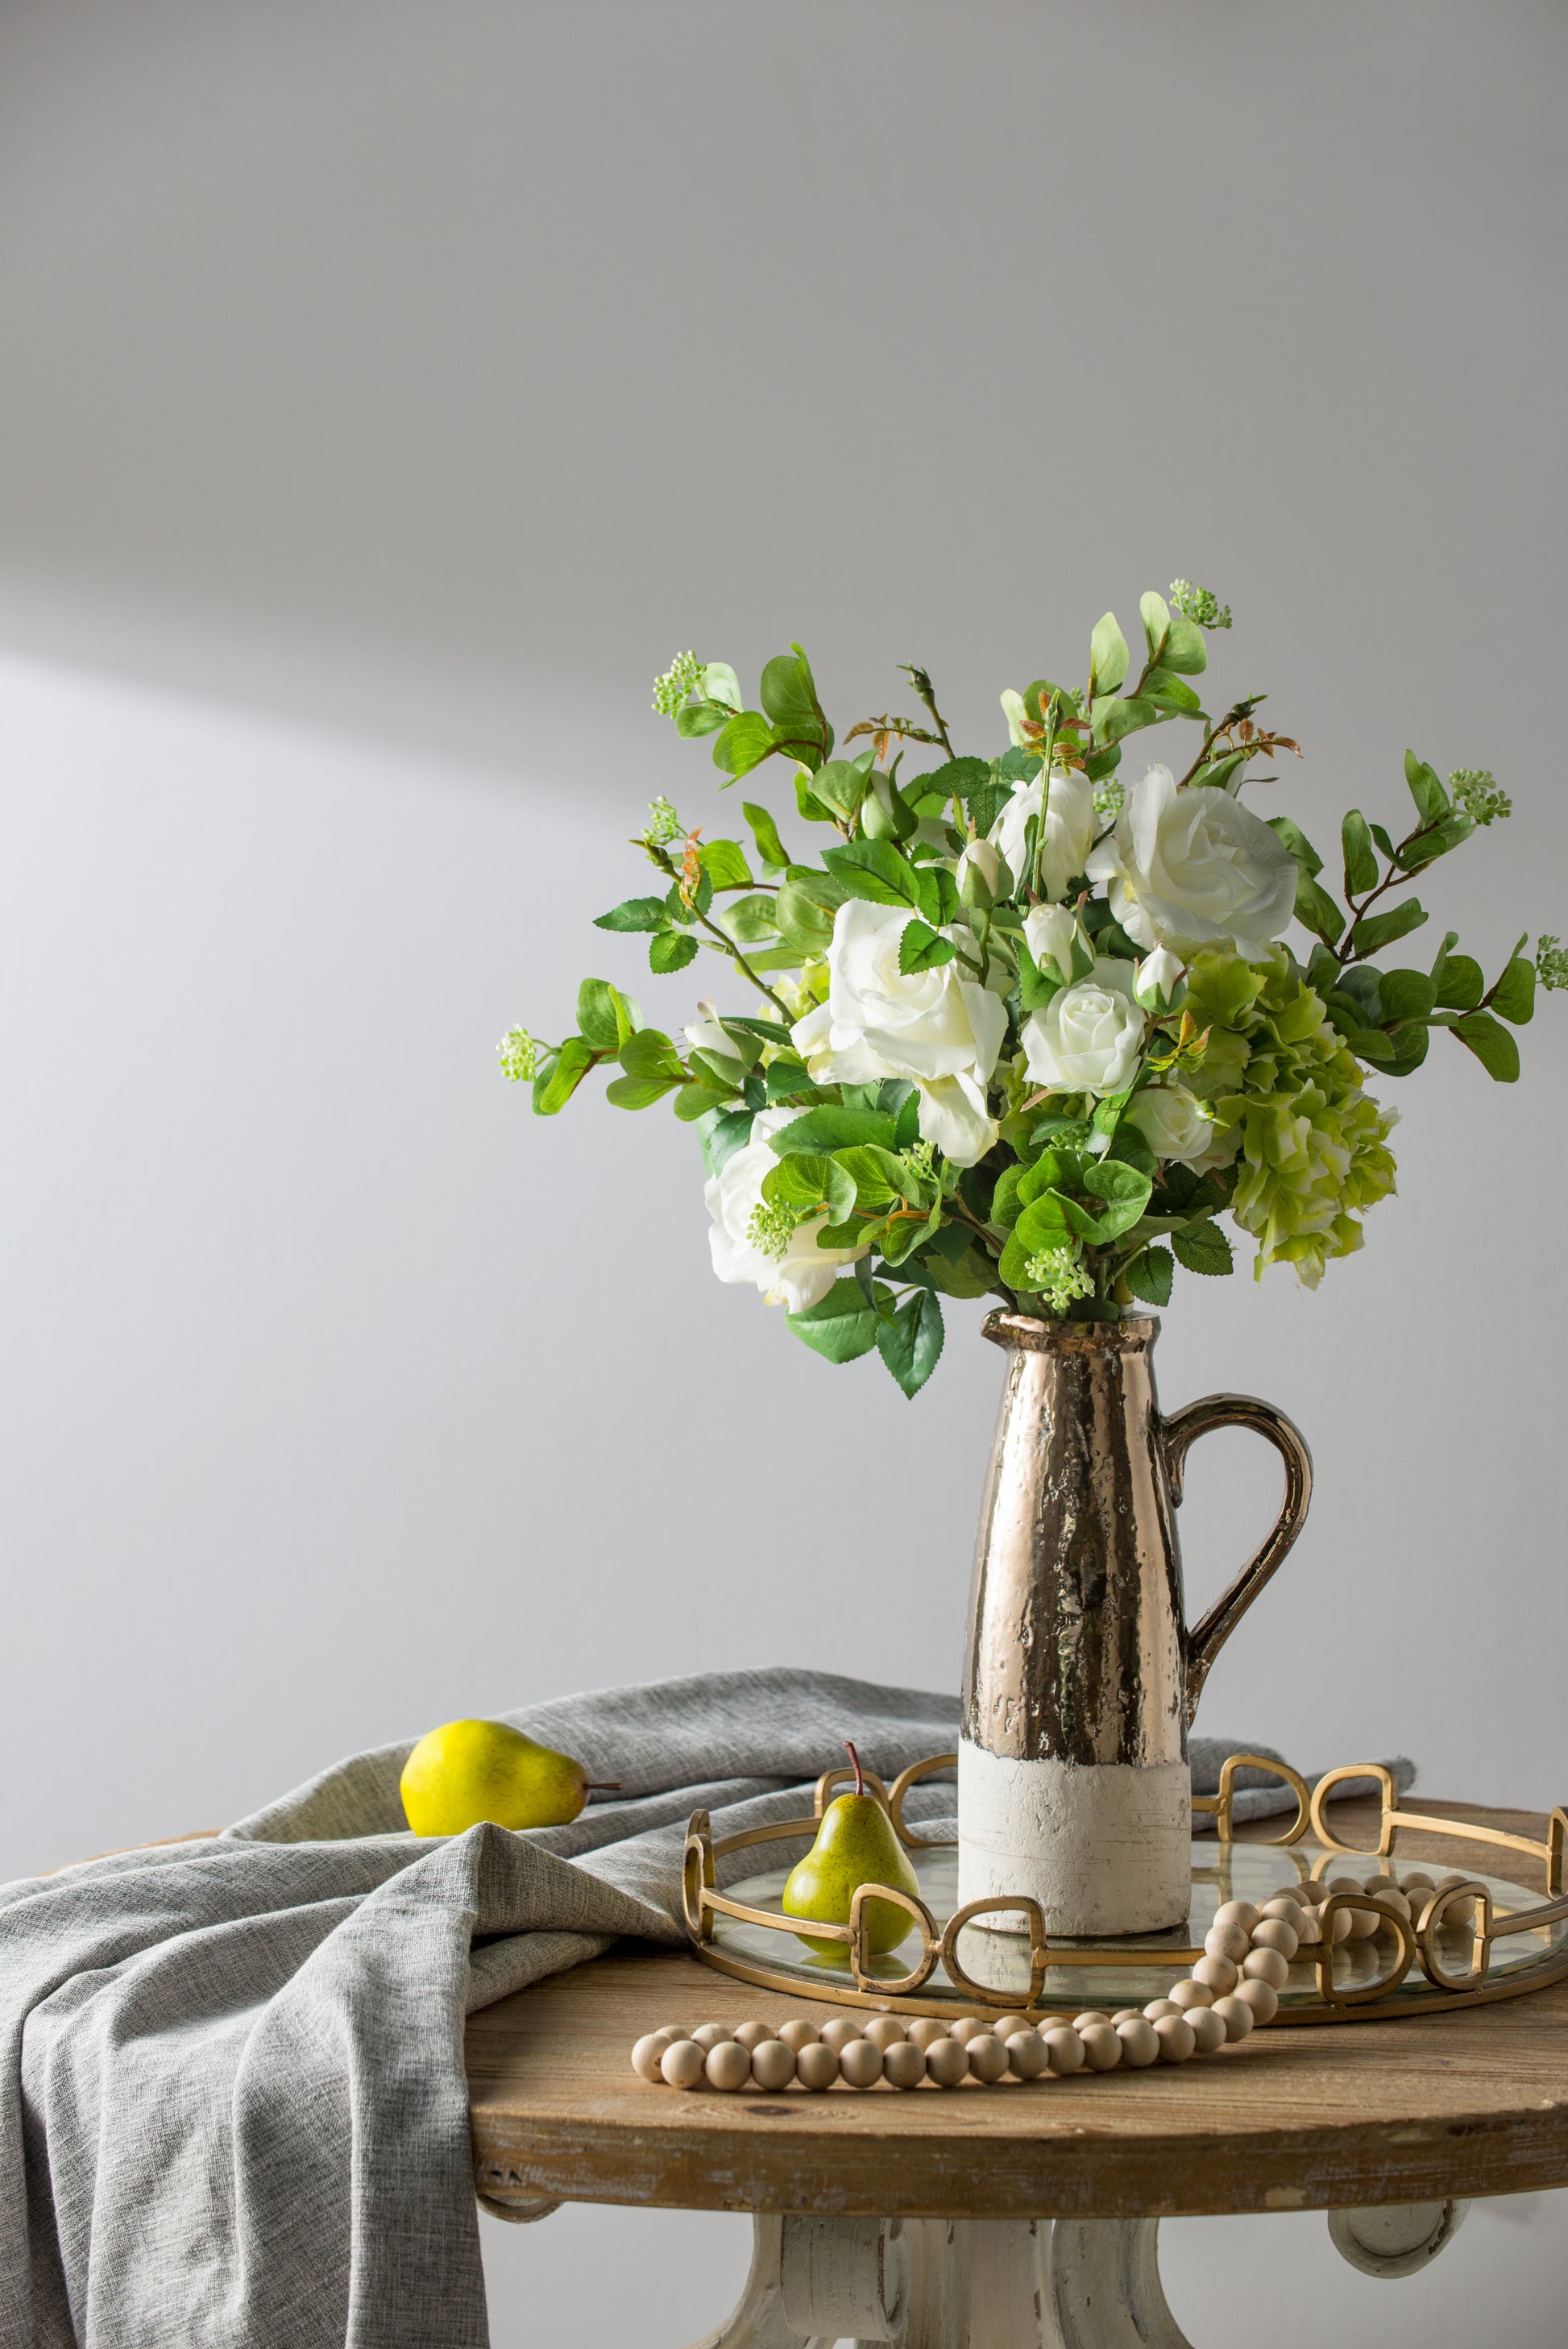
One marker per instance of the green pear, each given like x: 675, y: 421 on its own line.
x: 467, y: 1771
x: 856, y: 1844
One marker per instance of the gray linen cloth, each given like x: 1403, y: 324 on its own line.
x: 235, y: 2113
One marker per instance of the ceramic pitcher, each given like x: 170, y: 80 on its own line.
x: 1081, y: 1676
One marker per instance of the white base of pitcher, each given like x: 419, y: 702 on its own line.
x: 1104, y: 1848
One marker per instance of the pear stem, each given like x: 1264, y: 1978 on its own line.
x: 855, y: 1761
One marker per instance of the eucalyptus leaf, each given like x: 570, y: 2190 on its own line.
x: 1107, y: 655
x: 742, y: 744
x: 1373, y: 931
x: 1513, y: 997
x: 560, y: 1075
x: 596, y: 1014
x: 1431, y: 799
x: 1490, y: 1042
x: 1185, y: 650
x: 699, y: 718
x: 805, y: 906
x: 1407, y: 994
x: 724, y: 862
x: 1296, y: 841
x: 637, y: 1093
x: 1462, y: 983
x: 731, y: 1132
x: 765, y: 832
x: 1360, y: 856
x: 1155, y: 614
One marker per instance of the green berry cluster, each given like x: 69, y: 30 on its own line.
x: 1058, y: 1275
x: 518, y: 1055
x: 1196, y: 604
x: 1475, y: 789
x: 679, y: 682
x: 663, y: 825
x: 1551, y: 962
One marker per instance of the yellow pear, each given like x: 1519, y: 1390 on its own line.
x: 856, y: 1845
x: 467, y: 1771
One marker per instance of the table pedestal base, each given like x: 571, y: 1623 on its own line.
x: 1006, y: 2284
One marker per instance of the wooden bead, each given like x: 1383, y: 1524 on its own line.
x: 1266, y: 1966
x: 1307, y: 1927
x: 1012, y: 2025
x: 1158, y: 2006
x: 711, y: 2034
x: 967, y: 2027
x: 1101, y: 2047
x: 1334, y: 1928
x: 1261, y: 1997
x: 1237, y: 1912
x: 798, y: 2032
x: 1458, y: 1912
x: 1027, y: 2055
x: 1190, y: 1994
x: 1347, y: 1884
x: 681, y: 2063
x: 838, y: 2031
x: 987, y: 2057
x: 860, y: 2062
x: 672, y: 2031
x: 1174, y: 2033
x: 883, y: 2030
x: 1418, y: 1880
x: 1091, y: 2014
x: 1236, y: 2015
x: 926, y: 2030
x: 1139, y: 2044
x: 773, y: 2064
x: 1294, y: 1895
x: 1065, y: 2049
x: 1129, y: 2015
x: 947, y: 2062
x: 1282, y: 1911
x: 816, y: 2067
x: 1044, y: 2022
x: 1229, y: 1941
x: 729, y: 2065
x: 1274, y: 1933
x: 903, y: 2065
x: 1208, y: 2029
x: 646, y: 2056
x: 1364, y: 1924
x: 1218, y: 1974
x: 750, y: 2035
x: 1379, y: 1884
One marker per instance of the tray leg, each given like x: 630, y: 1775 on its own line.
x: 1105, y: 2286
x: 1398, y: 2238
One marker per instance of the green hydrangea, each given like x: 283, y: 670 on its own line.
x: 1311, y: 1144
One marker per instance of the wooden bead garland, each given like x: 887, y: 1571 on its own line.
x: 1232, y: 1988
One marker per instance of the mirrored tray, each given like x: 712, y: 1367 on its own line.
x: 1517, y: 1942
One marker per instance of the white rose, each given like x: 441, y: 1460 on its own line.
x: 1161, y: 985
x: 984, y: 859
x: 1087, y: 1039
x: 1187, y: 868
x: 1056, y: 938
x: 1173, y: 1122
x: 939, y: 1027
x: 804, y: 1273
x: 1069, y: 829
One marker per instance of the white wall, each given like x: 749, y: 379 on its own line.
x: 384, y: 396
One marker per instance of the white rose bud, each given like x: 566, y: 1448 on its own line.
x: 1055, y: 937
x: 1173, y: 1122
x: 1161, y: 981
x: 1069, y: 828
x: 1187, y: 868
x: 982, y: 862
x: 1089, y: 1037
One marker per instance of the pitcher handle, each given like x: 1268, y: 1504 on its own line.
x: 1178, y: 1434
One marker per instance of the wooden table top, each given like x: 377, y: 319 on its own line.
x: 1464, y: 2103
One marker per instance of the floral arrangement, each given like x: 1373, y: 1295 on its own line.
x: 1022, y: 1030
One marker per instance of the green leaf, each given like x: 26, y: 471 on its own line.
x: 672, y: 951
x: 973, y: 1274
x: 650, y: 1054
x: 911, y: 1342
x: 1155, y: 614
x: 1453, y: 831
x: 596, y: 1014
x: 691, y: 1102
x: 1107, y: 655
x: 1315, y: 909
x: 959, y: 778
x: 1185, y: 650
x: 682, y: 915
x: 1407, y: 995
x: 1296, y: 841
x: 1223, y: 775
x: 1129, y: 1148
x: 878, y: 1177
x: 560, y: 1075
x: 785, y: 1076
x: 808, y: 1181
x: 724, y: 862
x: 635, y: 913
x: 765, y: 832
x: 700, y: 718
x: 639, y: 1093
x: 1513, y: 997
x: 1490, y: 1042
x: 1048, y: 1221
x: 820, y: 1130
x: 842, y: 785
x: 841, y: 1326
x: 719, y: 683
x: 1461, y: 983
x: 1114, y: 717
x: 1431, y: 799
x: 744, y: 742
x: 1375, y: 931
x: 923, y: 949
x: 1125, y: 1190
x: 1171, y: 692
x: 809, y: 806
x: 751, y: 920
x: 731, y: 1132
x: 1203, y: 1248
x: 1149, y: 1276
x: 1360, y: 856
x: 874, y: 869
x: 805, y: 906
x: 790, y: 697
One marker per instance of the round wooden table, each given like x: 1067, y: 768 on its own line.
x: 1021, y: 2216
